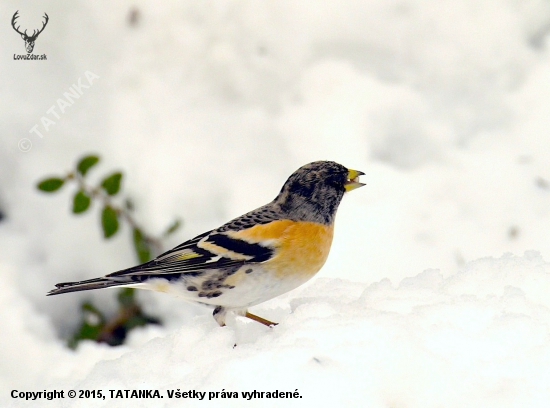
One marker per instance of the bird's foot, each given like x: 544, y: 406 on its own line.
x: 261, y: 320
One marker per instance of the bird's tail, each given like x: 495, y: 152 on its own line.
x: 97, y: 283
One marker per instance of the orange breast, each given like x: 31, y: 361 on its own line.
x: 302, y: 247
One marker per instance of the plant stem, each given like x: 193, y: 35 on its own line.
x: 98, y: 193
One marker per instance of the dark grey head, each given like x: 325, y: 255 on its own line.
x: 314, y: 191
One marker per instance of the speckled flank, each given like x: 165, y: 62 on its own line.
x: 306, y: 245
x: 234, y: 279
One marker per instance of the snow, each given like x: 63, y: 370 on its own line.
x: 436, y: 292
x: 477, y: 338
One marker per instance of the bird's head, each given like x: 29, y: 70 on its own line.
x: 314, y: 191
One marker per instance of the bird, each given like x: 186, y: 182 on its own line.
x: 252, y: 258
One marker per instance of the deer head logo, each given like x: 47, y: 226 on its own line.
x: 29, y: 39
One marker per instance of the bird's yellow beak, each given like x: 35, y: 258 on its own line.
x: 353, y: 182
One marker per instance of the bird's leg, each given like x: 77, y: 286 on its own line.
x: 219, y: 315
x: 260, y: 319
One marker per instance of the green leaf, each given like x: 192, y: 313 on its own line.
x: 91, y: 315
x: 51, y: 184
x: 172, y: 228
x: 126, y: 297
x: 140, y: 319
x: 86, y: 163
x: 143, y: 251
x: 93, y: 322
x: 81, y: 202
x: 111, y: 184
x: 136, y: 321
x: 109, y: 221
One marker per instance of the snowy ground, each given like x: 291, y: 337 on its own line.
x: 207, y: 107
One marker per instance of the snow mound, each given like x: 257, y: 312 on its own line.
x: 480, y: 337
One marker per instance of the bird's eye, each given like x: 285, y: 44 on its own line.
x: 336, y: 180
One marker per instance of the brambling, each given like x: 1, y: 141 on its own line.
x: 253, y: 258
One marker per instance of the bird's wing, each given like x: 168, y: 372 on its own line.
x: 212, y: 250
x: 251, y: 238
